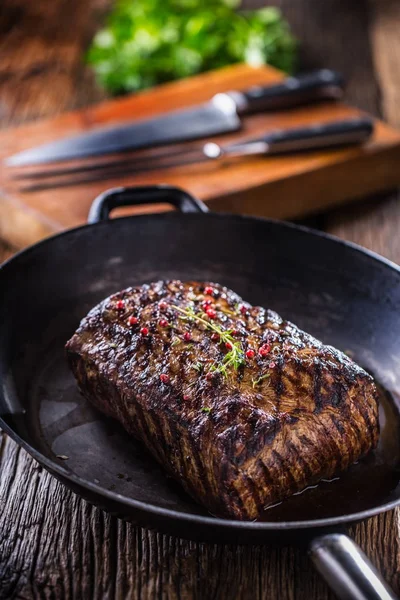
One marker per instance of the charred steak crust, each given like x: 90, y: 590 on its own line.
x: 292, y: 412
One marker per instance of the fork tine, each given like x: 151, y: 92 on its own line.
x: 136, y: 161
x: 100, y: 175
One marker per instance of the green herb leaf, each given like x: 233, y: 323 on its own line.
x: 198, y: 366
x: 227, y: 312
x: 206, y: 409
x: 260, y: 379
x: 146, y: 42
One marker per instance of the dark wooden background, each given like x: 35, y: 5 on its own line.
x: 53, y: 544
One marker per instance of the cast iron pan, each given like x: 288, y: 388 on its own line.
x: 342, y: 294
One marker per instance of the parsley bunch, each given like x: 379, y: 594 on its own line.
x: 146, y: 42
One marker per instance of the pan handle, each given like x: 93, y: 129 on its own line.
x: 347, y: 570
x: 133, y: 196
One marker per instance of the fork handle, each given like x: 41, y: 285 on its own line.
x: 309, y: 137
x: 338, y: 133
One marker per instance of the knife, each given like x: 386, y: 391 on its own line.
x: 220, y: 115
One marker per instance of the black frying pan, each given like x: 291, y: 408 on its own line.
x: 340, y: 293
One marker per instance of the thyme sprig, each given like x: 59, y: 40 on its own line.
x: 227, y: 312
x: 234, y: 358
x: 260, y: 379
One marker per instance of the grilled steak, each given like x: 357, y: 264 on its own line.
x: 242, y: 408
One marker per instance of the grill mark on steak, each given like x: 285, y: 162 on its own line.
x: 268, y: 479
x: 253, y: 491
x: 314, y: 456
x: 355, y: 423
x: 366, y: 416
x: 259, y: 440
x: 318, y: 401
x: 301, y: 461
x: 332, y: 444
x: 285, y: 470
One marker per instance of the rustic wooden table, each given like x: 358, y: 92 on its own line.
x: 52, y: 543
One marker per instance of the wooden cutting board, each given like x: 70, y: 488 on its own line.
x: 280, y: 187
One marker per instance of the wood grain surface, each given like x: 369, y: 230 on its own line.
x: 54, y: 545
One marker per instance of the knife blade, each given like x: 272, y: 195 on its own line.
x: 220, y: 115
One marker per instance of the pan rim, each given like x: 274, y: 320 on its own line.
x: 175, y: 515
x: 208, y: 215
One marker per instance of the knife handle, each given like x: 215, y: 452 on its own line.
x: 292, y: 91
x: 322, y: 135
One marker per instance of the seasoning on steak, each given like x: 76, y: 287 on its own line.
x: 242, y: 408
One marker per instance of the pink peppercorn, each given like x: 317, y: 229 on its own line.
x: 264, y: 349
